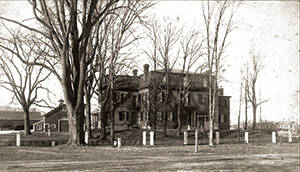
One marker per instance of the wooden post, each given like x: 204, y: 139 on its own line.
x: 273, y: 137
x: 144, y: 138
x: 196, y: 141
x: 152, y: 138
x: 217, y: 137
x: 86, y: 137
x: 290, y: 136
x: 246, y: 138
x: 185, y: 138
x: 53, y: 143
x: 18, y: 139
x: 119, y: 142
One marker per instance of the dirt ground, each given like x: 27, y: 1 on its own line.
x: 231, y: 157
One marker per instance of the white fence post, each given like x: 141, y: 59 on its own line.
x: 152, y: 138
x: 246, y: 138
x: 196, y: 141
x: 119, y: 142
x: 273, y: 137
x: 185, y: 138
x: 144, y: 138
x: 86, y: 137
x: 290, y: 136
x: 18, y: 139
x: 217, y: 137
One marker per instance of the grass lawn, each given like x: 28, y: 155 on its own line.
x: 226, y: 157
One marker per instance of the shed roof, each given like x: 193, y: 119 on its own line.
x: 18, y: 115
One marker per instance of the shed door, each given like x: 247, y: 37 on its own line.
x: 64, y: 126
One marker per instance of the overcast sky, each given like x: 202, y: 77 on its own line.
x: 271, y: 28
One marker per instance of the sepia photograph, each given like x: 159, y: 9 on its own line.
x: 149, y: 85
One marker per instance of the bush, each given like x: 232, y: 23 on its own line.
x: 6, y: 127
x: 20, y: 127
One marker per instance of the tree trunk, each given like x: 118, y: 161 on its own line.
x: 103, y: 122
x: 246, y: 107
x: 165, y: 121
x: 179, y: 127
x: 112, y: 117
x: 211, y: 109
x: 254, y: 118
x: 239, y: 115
x: 88, y: 116
x: 211, y: 133
x: 76, y: 117
x: 26, y: 122
x: 112, y: 127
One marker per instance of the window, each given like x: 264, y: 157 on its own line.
x: 122, y: 116
x: 200, y: 98
x: 139, y: 98
x: 142, y: 116
x: 46, y: 127
x: 171, y: 116
x: 38, y: 127
x: 118, y: 97
x: 185, y: 81
x: 205, y: 82
x: 127, y: 116
x: 187, y: 99
x: 123, y: 97
x: 164, y: 79
x: 134, y: 103
x: 225, y: 103
x: 204, y: 98
x: 159, y: 116
x: 161, y: 97
x: 53, y: 126
x: 223, y: 118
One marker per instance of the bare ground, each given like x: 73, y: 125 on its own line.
x: 231, y: 157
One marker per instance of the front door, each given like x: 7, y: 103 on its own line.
x: 133, y: 118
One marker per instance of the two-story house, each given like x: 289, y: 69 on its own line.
x: 152, y: 95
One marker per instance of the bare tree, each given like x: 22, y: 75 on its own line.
x: 66, y: 27
x: 191, y: 52
x: 24, y: 81
x: 121, y: 36
x: 240, y: 104
x: 164, y: 39
x: 245, y: 96
x: 218, y: 25
x: 254, y: 71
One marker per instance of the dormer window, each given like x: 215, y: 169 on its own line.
x: 205, y: 82
x: 185, y: 81
x: 164, y: 79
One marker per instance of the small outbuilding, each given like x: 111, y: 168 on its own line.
x: 15, y: 119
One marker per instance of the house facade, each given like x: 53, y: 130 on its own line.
x: 55, y: 120
x: 142, y: 99
x: 194, y: 111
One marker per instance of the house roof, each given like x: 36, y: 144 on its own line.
x: 57, y: 109
x: 18, y: 115
x: 125, y: 83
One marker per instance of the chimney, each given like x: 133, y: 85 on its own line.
x: 134, y: 72
x: 221, y: 91
x: 61, y: 102
x: 146, y: 69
